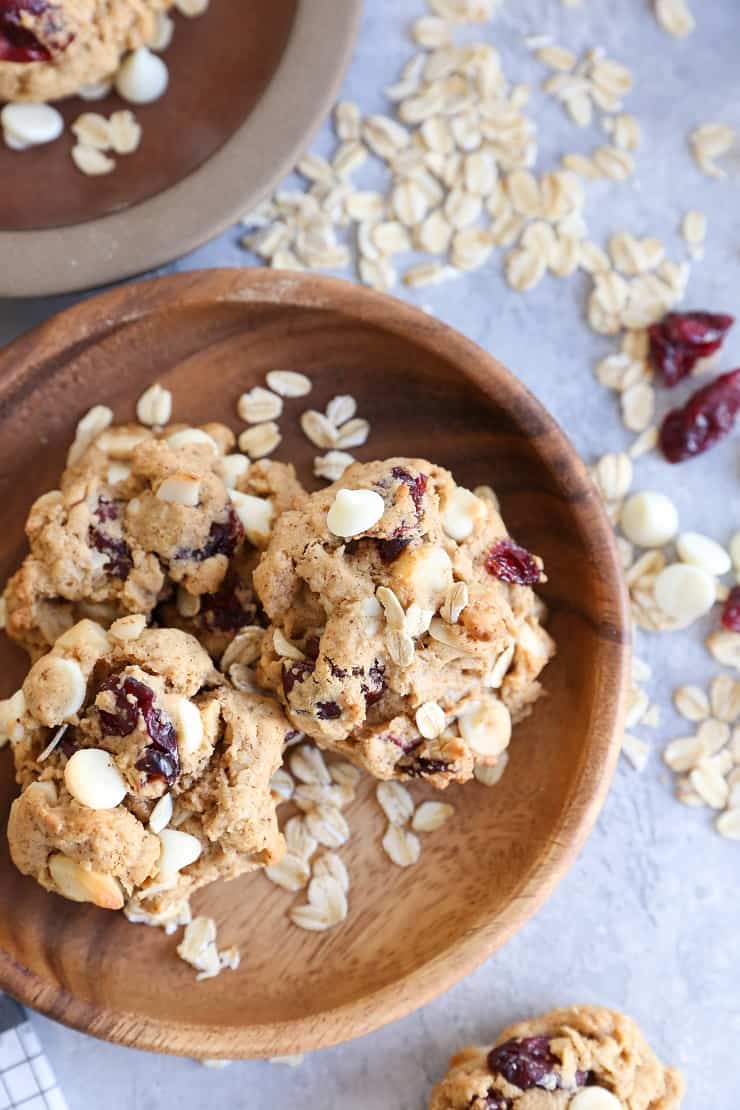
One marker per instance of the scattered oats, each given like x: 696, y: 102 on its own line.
x: 327, y: 894
x: 281, y: 786
x: 348, y: 158
x: 395, y: 801
x: 430, y: 720
x: 288, y: 383
x: 328, y: 826
x: 291, y: 873
x: 347, y: 121
x: 595, y: 261
x: 379, y: 275
x: 557, y: 57
x: 614, y: 162
x: 192, y: 8
x: 431, y: 32
x: 431, y: 816
x: 332, y: 465
x: 711, y: 141
x: 410, y: 203
x: 681, y: 755
x: 652, y: 718
x: 646, y: 441
x: 298, y: 839
x: 284, y: 648
x: 694, y: 231
x: 313, y: 918
x: 332, y: 865
x: 525, y: 269
x: 259, y: 405
x: 345, y: 774
x: 400, y: 647
x: 307, y: 764
x: 725, y: 698
x: 401, y: 846
x: 725, y: 647
x: 92, y: 130
x: 395, y: 614
x: 709, y: 783
x: 626, y: 132
x: 292, y: 1061
x: 125, y: 132
x: 728, y: 824
x: 613, y: 476
x: 471, y: 248
x: 341, y: 409
x: 199, y: 949
x: 391, y: 237
x: 581, y: 165
x: 691, y: 702
x: 260, y: 440
x: 637, y: 751
x: 90, y: 161
x: 352, y: 434
x: 713, y: 735
x: 93, y: 423
x: 427, y: 273
x: 675, y: 17
x: 318, y: 428
x: 462, y: 208
x: 435, y: 233
x: 315, y: 168
x: 638, y: 406
x: 489, y: 774
x: 365, y: 205
x: 701, y: 551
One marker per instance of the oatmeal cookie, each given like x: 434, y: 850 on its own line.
x: 52, y: 48
x: 583, y: 1058
x: 139, y: 515
x: 266, y: 489
x: 145, y: 775
x: 405, y: 632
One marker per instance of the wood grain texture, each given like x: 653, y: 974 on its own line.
x: 410, y: 934
x: 249, y: 84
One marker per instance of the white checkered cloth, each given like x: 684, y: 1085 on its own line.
x: 27, y: 1080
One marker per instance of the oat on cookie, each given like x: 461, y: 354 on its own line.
x: 261, y: 493
x: 52, y: 48
x: 145, y: 775
x: 582, y: 1058
x: 405, y: 632
x: 139, y: 514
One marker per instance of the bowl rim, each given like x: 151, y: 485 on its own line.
x: 43, y: 346
x: 50, y: 261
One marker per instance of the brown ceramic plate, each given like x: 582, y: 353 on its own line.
x: 410, y: 934
x: 250, y: 81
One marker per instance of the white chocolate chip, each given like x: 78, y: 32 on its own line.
x: 161, y: 815
x: 187, y: 720
x: 12, y: 712
x: 80, y: 885
x: 142, y: 78
x: 649, y: 519
x: 118, y: 472
x: 685, y: 592
x: 188, y: 437
x: 354, y: 511
x: 93, y: 779
x: 31, y: 124
x: 430, y: 720
x: 234, y: 467
x: 487, y: 728
x: 128, y: 628
x: 180, y: 489
x: 460, y: 512
x: 55, y: 689
x: 595, y: 1098
x: 703, y: 552
x: 179, y: 849
x: 256, y: 515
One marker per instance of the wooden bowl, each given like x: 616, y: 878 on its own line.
x: 250, y: 81
x: 411, y: 933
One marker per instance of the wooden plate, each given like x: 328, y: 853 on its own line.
x: 410, y: 934
x: 249, y: 83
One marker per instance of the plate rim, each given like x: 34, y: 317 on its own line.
x: 44, y: 345
x: 162, y: 228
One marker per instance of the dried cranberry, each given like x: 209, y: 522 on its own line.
x: 585, y: 1079
x: 17, y: 42
x: 417, y: 486
x: 334, y: 670
x: 225, y: 610
x: 525, y: 1062
x: 328, y: 710
x: 731, y: 611
x: 118, y: 552
x: 296, y: 672
x: 423, y: 766
x: 224, y: 537
x: 512, y: 563
x: 680, y: 339
x: 162, y: 759
x: 376, y: 687
x: 311, y: 647
x: 406, y: 746
x: 389, y: 550
x: 67, y: 745
x: 351, y: 547
x: 708, y: 416
x: 107, y: 510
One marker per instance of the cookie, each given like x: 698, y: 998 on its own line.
x: 144, y: 774
x: 405, y: 632
x: 52, y: 48
x: 141, y: 517
x: 583, y: 1058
